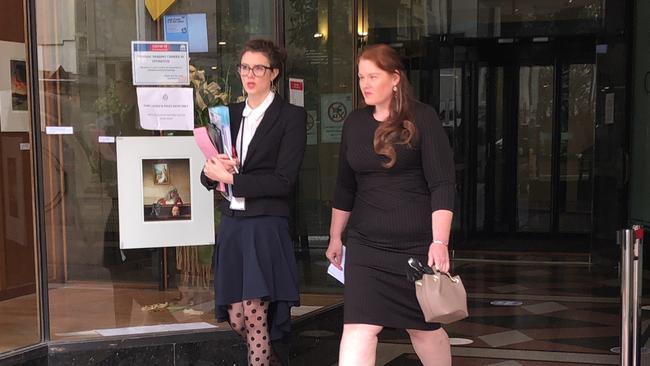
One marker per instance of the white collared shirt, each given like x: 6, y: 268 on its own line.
x: 251, y: 119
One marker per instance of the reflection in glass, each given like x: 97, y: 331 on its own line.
x: 86, y: 83
x: 450, y: 112
x: 481, y: 147
x: 534, y: 143
x: 576, y: 149
x: 19, y: 310
x: 319, y: 44
x: 500, y: 170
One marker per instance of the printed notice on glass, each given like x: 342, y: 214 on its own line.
x: 163, y: 109
x: 160, y: 63
x: 334, y: 109
x: 312, y: 128
x: 297, y: 92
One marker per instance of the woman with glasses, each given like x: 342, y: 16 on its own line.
x: 256, y: 281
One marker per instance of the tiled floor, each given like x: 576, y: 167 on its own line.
x: 565, y: 314
x: 569, y: 315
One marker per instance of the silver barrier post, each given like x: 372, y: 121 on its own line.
x: 637, y: 291
x: 625, y: 238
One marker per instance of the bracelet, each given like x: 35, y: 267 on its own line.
x: 439, y: 242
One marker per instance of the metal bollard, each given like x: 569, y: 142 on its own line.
x: 625, y: 239
x: 631, y: 242
x: 637, y: 292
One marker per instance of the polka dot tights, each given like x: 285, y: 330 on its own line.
x: 248, y: 319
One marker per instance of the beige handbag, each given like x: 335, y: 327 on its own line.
x: 442, y: 298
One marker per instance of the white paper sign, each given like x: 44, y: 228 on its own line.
x: 59, y: 130
x: 166, y: 108
x: 160, y: 63
x: 297, y: 92
x: 106, y: 139
x: 334, y: 110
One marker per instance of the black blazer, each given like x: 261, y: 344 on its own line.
x: 273, y: 160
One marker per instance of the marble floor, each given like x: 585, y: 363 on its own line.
x: 523, y: 311
x: 530, y: 314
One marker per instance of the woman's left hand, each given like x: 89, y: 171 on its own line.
x: 438, y: 257
x: 216, y: 171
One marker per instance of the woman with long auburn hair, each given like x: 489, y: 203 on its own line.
x: 395, y: 194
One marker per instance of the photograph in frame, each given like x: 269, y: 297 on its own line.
x: 169, y: 200
x: 160, y: 173
x: 14, y: 110
x: 179, y: 213
x: 18, y: 72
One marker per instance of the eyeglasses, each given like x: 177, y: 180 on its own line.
x: 258, y: 70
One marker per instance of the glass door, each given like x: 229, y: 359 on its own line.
x: 534, y: 147
x: 534, y: 157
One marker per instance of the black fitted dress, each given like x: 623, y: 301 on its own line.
x: 390, y: 216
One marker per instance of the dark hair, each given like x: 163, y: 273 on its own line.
x: 399, y: 128
x: 275, y: 54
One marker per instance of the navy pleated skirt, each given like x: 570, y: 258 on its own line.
x: 254, y: 260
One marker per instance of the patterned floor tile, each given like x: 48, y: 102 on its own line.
x: 530, y: 322
x: 505, y: 338
x: 545, y: 307
x: 506, y: 289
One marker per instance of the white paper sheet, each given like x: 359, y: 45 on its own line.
x: 338, y: 273
x: 163, y: 109
x: 153, y: 329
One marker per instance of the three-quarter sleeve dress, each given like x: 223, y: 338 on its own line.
x: 390, y: 217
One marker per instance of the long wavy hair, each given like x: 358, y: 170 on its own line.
x: 399, y: 128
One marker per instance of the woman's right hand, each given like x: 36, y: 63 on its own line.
x: 335, y: 252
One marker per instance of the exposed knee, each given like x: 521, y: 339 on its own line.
x: 437, y: 336
x: 362, y: 330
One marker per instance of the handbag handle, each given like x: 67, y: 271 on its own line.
x: 418, y: 266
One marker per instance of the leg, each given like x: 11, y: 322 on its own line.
x: 359, y: 344
x: 236, y: 315
x: 431, y: 346
x: 260, y: 352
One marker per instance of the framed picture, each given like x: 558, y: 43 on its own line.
x: 172, y: 201
x: 161, y: 200
x: 18, y: 71
x: 160, y: 173
x: 13, y: 88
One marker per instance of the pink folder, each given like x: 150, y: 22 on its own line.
x: 208, y: 149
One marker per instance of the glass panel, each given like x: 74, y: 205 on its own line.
x: 534, y: 148
x: 433, y: 70
x: 507, y: 18
x: 86, y: 83
x: 500, y: 179
x: 319, y: 41
x: 450, y: 110
x: 19, y: 316
x: 576, y: 149
x: 481, y: 147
